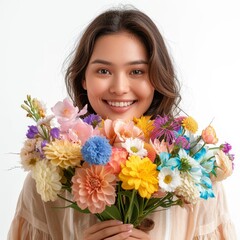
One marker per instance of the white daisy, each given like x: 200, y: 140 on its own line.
x: 169, y: 179
x: 135, y: 146
x: 195, y: 171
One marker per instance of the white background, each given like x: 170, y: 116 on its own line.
x: 36, y: 37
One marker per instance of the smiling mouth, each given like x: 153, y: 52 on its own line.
x: 119, y: 103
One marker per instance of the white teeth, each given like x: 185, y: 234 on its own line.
x: 119, y: 104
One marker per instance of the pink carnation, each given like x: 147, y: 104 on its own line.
x: 119, y: 155
x: 94, y: 187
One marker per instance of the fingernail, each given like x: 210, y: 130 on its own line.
x: 129, y: 226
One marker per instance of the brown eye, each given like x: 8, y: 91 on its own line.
x: 103, y: 71
x: 136, y: 72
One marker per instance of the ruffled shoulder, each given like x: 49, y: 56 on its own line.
x: 212, y: 217
x: 225, y: 231
x: 21, y: 229
x: 27, y: 222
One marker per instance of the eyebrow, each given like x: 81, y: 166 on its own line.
x: 101, y: 61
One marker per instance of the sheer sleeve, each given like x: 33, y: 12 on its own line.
x: 21, y: 229
x: 29, y: 221
x: 212, y: 218
x: 38, y: 220
x: 207, y: 220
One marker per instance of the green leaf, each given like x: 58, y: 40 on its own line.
x: 111, y: 212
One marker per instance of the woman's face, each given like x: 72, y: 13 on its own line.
x: 117, y: 79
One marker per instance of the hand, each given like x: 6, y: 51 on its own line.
x: 111, y: 230
x: 138, y: 234
x: 114, y: 230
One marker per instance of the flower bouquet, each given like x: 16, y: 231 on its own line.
x: 119, y: 169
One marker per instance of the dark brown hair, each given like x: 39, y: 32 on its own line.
x: 161, y: 72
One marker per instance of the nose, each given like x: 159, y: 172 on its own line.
x: 119, y: 84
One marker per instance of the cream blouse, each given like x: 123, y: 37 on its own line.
x: 38, y: 220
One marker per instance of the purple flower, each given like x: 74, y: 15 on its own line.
x: 92, y: 119
x: 32, y: 132
x: 164, y: 127
x: 182, y: 142
x: 231, y: 156
x: 55, y: 133
x: 44, y: 143
x: 225, y: 147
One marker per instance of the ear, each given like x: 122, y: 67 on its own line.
x: 84, y: 85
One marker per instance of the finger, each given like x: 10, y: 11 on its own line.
x: 138, y: 234
x: 108, y: 230
x: 114, y: 232
x: 101, y: 225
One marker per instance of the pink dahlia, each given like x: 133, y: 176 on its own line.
x: 94, y: 187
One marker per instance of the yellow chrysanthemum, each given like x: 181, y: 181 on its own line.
x: 190, y: 124
x: 139, y: 174
x: 63, y: 153
x: 145, y: 124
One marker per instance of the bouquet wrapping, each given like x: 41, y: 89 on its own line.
x: 118, y: 169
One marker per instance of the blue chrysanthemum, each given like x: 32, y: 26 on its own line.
x: 96, y: 150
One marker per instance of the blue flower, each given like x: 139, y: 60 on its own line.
x: 167, y: 161
x: 205, y: 188
x: 96, y: 150
x: 208, y: 165
x: 200, y: 154
x: 32, y: 132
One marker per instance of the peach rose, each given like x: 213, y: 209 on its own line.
x: 126, y: 129
x: 108, y: 131
x: 209, y: 135
x: 224, y: 166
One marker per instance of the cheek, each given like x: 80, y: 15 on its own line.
x: 146, y: 92
x: 95, y: 90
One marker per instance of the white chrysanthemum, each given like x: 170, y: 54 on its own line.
x: 135, y: 146
x: 47, y: 177
x: 28, y: 155
x: 188, y: 190
x: 195, y: 171
x: 169, y: 179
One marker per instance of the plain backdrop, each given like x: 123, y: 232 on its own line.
x: 36, y: 37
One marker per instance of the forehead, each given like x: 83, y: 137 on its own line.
x: 119, y: 47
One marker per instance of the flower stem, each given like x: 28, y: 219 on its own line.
x: 127, y: 218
